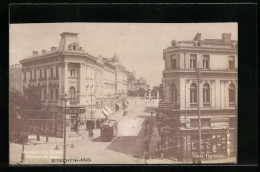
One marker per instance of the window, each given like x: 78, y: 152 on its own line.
x: 74, y: 47
x: 51, y: 90
x: 206, y: 94
x: 57, y: 94
x: 173, y: 61
x: 57, y: 72
x: 193, y: 94
x: 45, y: 73
x: 232, y: 95
x: 205, y: 61
x: 40, y: 73
x: 174, y: 93
x: 31, y: 75
x: 72, y: 72
x: 72, y: 93
x: 231, y: 63
x: 45, y: 94
x: 35, y: 74
x: 232, y: 122
x: 24, y: 76
x: 193, y: 61
x: 51, y: 72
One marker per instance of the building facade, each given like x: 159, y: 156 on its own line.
x: 89, y: 82
x: 200, y: 81
x: 15, y: 77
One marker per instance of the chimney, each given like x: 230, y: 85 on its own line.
x: 53, y: 48
x: 226, y: 37
x: 197, y: 37
x: 35, y: 52
x: 43, y: 51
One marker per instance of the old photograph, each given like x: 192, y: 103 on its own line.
x: 123, y: 93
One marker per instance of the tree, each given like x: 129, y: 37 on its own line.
x: 18, y: 102
x: 141, y: 92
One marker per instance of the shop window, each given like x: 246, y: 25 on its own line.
x: 194, y: 123
x: 232, y: 122
x: 205, y: 123
x: 232, y: 95
x: 231, y: 63
x: 193, y: 94
x: 205, y: 61
x: 193, y: 61
x: 206, y: 94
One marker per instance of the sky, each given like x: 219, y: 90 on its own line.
x: 139, y: 46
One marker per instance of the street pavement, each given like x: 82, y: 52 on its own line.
x: 127, y: 147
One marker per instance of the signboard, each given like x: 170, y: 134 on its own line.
x: 74, y: 111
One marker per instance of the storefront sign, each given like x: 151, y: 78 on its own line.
x: 74, y: 111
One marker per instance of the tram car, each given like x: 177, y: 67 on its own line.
x: 109, y: 130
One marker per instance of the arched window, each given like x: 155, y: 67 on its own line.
x: 174, y: 94
x: 72, y: 93
x: 193, y: 94
x: 206, y: 94
x: 232, y: 94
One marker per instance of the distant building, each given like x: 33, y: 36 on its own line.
x: 90, y: 82
x: 15, y: 77
x: 215, y: 94
x: 140, y: 83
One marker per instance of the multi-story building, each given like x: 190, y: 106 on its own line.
x: 212, y: 62
x: 15, y: 77
x: 130, y: 83
x: 87, y: 80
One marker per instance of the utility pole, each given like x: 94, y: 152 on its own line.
x: 91, y: 95
x: 199, y: 113
x: 65, y: 98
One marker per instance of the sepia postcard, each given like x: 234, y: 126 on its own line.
x: 123, y: 93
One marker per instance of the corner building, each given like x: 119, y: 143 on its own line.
x: 68, y: 69
x: 212, y: 62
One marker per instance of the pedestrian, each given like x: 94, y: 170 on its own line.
x: 151, y: 114
x: 145, y: 156
x: 162, y: 152
x: 47, y: 134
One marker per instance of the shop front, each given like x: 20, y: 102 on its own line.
x: 213, y: 144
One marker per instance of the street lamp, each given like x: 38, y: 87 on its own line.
x: 199, y: 113
x: 65, y: 98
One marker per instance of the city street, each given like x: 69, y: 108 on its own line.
x: 126, y: 148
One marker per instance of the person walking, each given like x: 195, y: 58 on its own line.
x: 47, y: 134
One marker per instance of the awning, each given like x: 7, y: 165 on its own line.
x: 96, y: 114
x: 105, y: 113
x: 108, y: 109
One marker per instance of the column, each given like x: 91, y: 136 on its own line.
x: 82, y: 83
x: 47, y: 79
x: 66, y: 89
x: 61, y: 84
